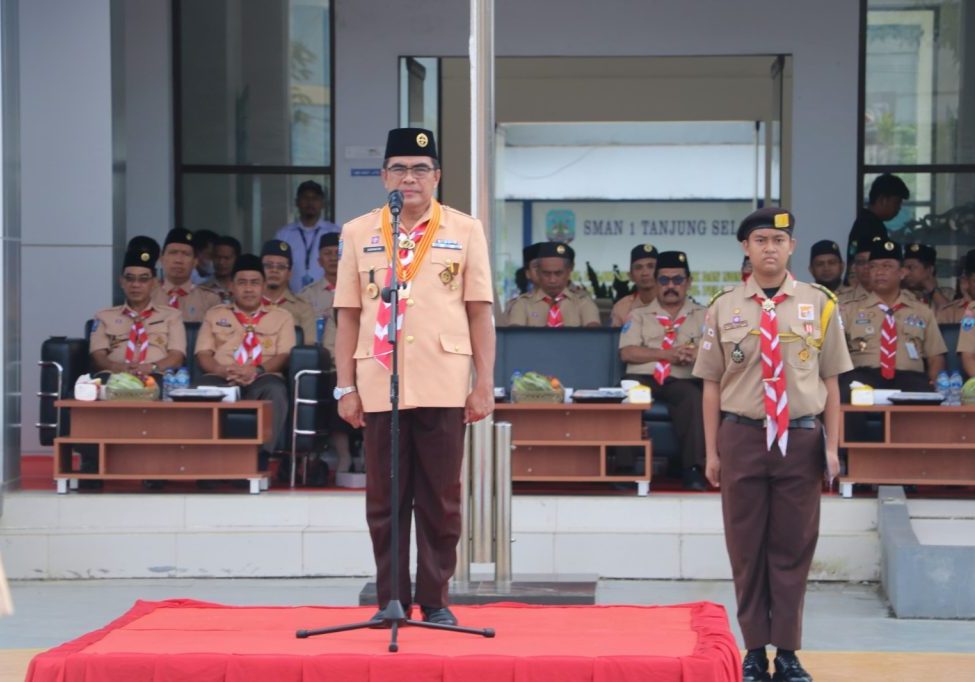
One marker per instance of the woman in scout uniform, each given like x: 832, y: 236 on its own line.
x: 554, y: 303
x: 445, y: 332
x: 770, y: 356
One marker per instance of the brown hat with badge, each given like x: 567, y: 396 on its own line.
x: 767, y: 217
x: 276, y: 247
x: 642, y: 251
x: 556, y: 250
x: 410, y: 142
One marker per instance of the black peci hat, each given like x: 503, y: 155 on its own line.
x: 139, y: 258
x: 143, y: 243
x: 178, y: 235
x: 825, y: 247
x: 642, y: 251
x: 922, y: 252
x: 328, y: 239
x: 555, y: 250
x: 276, y: 247
x: 247, y: 262
x: 673, y: 259
x: 886, y: 249
x: 410, y: 142
x: 529, y: 253
x: 770, y: 217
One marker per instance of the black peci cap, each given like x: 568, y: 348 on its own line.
x: 529, y: 253
x: 673, y: 259
x: 139, y: 258
x: 886, y: 249
x: 178, y: 235
x: 143, y: 243
x: 770, y: 217
x: 555, y: 250
x: 410, y: 142
x: 642, y: 251
x: 247, y: 262
x: 825, y: 247
x: 922, y: 252
x: 328, y: 239
x: 276, y: 247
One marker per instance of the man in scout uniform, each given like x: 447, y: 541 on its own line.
x: 445, y: 332
x: 771, y: 353
x: 643, y: 264
x: 177, y: 291
x: 826, y: 264
x: 225, y: 252
x: 276, y: 259
x: 963, y: 312
x: 321, y: 294
x: 920, y: 278
x: 659, y: 344
x: 958, y: 310
x: 859, y: 285
x: 891, y: 334
x: 303, y: 234
x: 248, y: 344
x: 554, y: 303
x: 529, y: 269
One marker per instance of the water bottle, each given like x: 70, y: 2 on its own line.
x: 943, y: 386
x: 954, y: 388
x: 319, y: 330
x: 183, y: 378
x: 169, y: 383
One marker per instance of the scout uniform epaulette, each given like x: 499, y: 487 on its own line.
x: 827, y: 291
x: 719, y: 294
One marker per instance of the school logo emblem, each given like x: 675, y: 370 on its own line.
x: 560, y: 225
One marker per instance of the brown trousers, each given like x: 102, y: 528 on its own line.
x: 683, y: 400
x: 770, y: 505
x: 431, y: 445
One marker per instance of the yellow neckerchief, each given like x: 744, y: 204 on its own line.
x: 429, y: 235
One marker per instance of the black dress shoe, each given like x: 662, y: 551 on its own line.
x: 381, y: 624
x: 754, y: 668
x: 438, y: 615
x: 788, y: 669
x: 694, y: 479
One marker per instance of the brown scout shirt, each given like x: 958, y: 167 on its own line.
x: 303, y: 314
x: 111, y: 332
x: 954, y: 312
x: 222, y: 333
x: 966, y: 334
x: 623, y: 307
x: 915, y: 325
x: 320, y: 295
x: 193, y: 306
x: 643, y: 329
x: 531, y: 310
x: 435, y: 354
x: 813, y: 349
x: 220, y: 290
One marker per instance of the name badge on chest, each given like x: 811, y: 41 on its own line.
x: 451, y: 244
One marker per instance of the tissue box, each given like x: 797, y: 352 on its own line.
x: 86, y: 392
x: 861, y: 395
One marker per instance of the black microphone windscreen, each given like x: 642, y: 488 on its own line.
x: 395, y: 202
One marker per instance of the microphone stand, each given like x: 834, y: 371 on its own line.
x: 393, y: 616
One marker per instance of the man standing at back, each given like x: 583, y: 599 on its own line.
x: 444, y: 331
x: 304, y: 234
x: 887, y: 193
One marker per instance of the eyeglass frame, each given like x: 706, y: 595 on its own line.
x: 664, y: 280
x: 420, y: 171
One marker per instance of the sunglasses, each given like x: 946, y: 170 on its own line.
x: 676, y: 280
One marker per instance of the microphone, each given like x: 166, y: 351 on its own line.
x: 395, y: 202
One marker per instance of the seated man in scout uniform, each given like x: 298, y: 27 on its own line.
x: 529, y: 270
x: 920, y: 277
x: 659, y: 344
x: 138, y: 337
x: 826, y: 264
x: 893, y: 338
x: 248, y: 344
x: 643, y: 264
x: 959, y: 310
x: 859, y: 285
x: 276, y: 259
x: 225, y: 252
x: 554, y: 303
x: 177, y: 291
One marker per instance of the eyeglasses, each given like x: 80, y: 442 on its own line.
x: 420, y: 172
x: 676, y: 280
x: 276, y: 267
x: 133, y: 279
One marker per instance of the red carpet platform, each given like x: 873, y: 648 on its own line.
x: 189, y: 640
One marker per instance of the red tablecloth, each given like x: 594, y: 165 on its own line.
x: 190, y: 640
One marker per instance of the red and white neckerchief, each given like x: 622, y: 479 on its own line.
x: 329, y: 286
x: 382, y: 349
x: 249, y: 351
x: 138, y: 345
x: 773, y: 376
x: 888, y: 340
x: 175, y: 294
x: 662, y: 370
x: 554, y: 318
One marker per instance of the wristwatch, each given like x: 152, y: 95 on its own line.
x: 338, y: 392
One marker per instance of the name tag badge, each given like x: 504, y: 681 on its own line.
x: 223, y: 322
x: 373, y: 249
x: 807, y: 311
x: 912, y: 351
x: 451, y: 244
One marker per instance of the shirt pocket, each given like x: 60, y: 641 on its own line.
x: 802, y: 349
x: 447, y: 268
x: 740, y: 348
x: 860, y: 339
x: 372, y: 269
x: 456, y: 344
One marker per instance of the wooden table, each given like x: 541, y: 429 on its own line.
x: 571, y: 442
x: 926, y: 444
x: 161, y: 440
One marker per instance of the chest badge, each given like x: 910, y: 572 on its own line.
x: 737, y: 355
x: 804, y: 355
x: 448, y: 273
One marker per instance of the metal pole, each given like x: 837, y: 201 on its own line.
x: 482, y: 112
x: 502, y: 503
x: 482, y: 491
x: 462, y: 573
